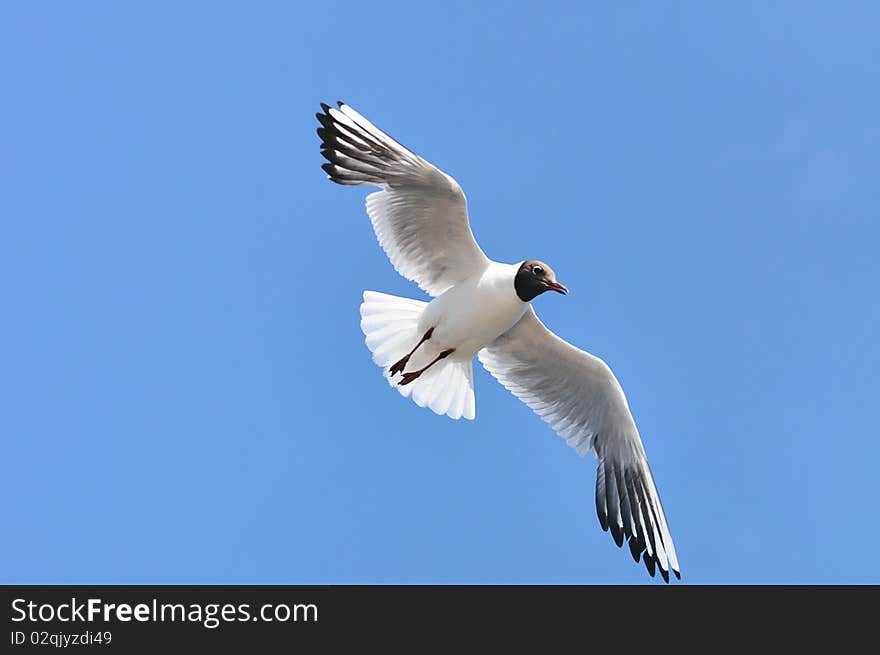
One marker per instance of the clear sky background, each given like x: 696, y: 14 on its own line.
x: 186, y: 395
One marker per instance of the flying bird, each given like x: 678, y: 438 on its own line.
x: 483, y: 308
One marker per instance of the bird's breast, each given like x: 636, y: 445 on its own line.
x: 474, y: 313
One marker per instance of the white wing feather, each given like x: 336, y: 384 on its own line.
x: 578, y: 395
x: 420, y: 216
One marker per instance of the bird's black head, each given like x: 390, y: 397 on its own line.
x: 534, y: 278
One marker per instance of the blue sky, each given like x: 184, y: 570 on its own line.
x: 187, y: 394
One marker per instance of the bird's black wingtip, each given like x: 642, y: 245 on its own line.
x: 677, y: 574
x: 634, y: 549
x: 617, y: 534
x: 339, y: 103
x: 325, y: 106
x: 665, y: 575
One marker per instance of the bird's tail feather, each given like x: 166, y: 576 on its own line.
x: 391, y: 326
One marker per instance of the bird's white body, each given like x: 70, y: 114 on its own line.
x: 464, y: 319
x: 473, y: 313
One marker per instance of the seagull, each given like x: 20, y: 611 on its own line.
x: 483, y: 308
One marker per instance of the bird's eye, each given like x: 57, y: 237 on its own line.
x: 537, y: 270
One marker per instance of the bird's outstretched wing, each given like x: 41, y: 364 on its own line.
x: 420, y: 216
x: 578, y: 395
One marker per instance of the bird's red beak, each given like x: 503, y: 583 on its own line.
x: 555, y: 286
